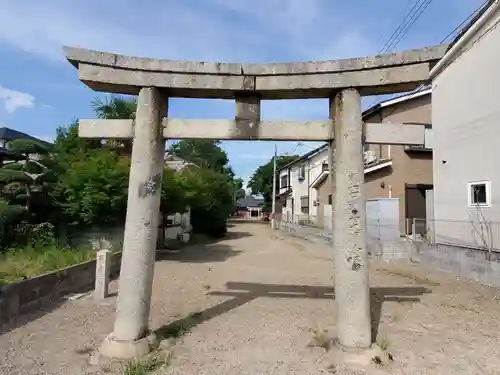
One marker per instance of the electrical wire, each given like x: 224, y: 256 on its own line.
x: 472, y: 15
x: 386, y: 47
x: 415, y: 17
x: 404, y: 27
x: 426, y: 84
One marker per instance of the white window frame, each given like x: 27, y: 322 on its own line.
x: 301, y: 173
x: 287, y: 182
x: 488, y: 194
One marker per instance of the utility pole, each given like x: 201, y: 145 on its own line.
x: 273, y: 213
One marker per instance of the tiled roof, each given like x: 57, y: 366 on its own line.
x: 9, y: 134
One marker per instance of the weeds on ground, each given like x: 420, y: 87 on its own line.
x: 409, y: 275
x: 23, y: 263
x: 396, y: 318
x: 460, y: 306
x: 321, y: 339
x: 383, y: 342
x: 146, y: 365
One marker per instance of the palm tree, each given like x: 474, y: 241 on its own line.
x: 115, y: 108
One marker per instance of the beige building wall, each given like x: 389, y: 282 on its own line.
x: 407, y: 167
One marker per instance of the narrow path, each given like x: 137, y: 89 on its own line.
x: 257, y: 296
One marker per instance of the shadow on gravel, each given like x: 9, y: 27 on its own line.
x: 198, y: 254
x: 243, y: 293
x: 203, y: 249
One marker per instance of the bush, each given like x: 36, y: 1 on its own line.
x: 210, y: 222
x: 22, y: 263
x: 209, y: 194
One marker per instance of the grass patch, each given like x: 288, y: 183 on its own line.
x: 460, y: 306
x: 383, y: 342
x: 23, y: 263
x: 321, y: 339
x: 145, y: 366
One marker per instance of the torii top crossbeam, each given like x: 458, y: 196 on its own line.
x: 380, y: 74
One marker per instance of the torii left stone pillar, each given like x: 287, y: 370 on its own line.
x: 130, y: 335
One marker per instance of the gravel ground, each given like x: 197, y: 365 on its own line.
x: 261, y: 295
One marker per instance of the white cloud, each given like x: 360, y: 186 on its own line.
x: 174, y: 29
x: 217, y: 30
x: 13, y: 100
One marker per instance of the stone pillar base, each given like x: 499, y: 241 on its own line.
x: 361, y: 360
x: 113, y: 348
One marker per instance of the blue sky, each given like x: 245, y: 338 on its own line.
x: 40, y: 91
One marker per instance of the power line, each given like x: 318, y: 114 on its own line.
x: 472, y: 15
x: 404, y: 27
x: 453, y: 32
x: 479, y: 38
x: 414, y: 18
x: 426, y: 84
x: 396, y: 32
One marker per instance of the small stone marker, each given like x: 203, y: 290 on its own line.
x: 102, y: 274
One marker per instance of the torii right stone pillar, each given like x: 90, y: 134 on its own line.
x: 130, y: 336
x: 352, y: 289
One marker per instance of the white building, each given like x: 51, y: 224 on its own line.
x: 176, y: 163
x: 466, y: 123
x: 297, y: 196
x: 299, y: 183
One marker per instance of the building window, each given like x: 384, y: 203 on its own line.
x: 479, y: 194
x: 302, y: 172
x: 324, y: 167
x: 304, y: 204
x: 330, y: 200
x: 284, y: 182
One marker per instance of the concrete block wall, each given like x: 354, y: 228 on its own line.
x: 28, y: 295
x: 399, y: 249
x: 114, y: 235
x: 470, y: 264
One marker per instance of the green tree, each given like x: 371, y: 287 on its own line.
x: 203, y: 152
x: 209, y: 193
x: 68, y: 146
x: 28, y: 178
x: 261, y: 181
x: 172, y: 193
x: 239, y: 192
x: 93, y: 190
x: 116, y: 107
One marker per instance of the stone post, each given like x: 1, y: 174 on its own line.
x: 352, y: 289
x: 129, y: 338
x: 103, y: 264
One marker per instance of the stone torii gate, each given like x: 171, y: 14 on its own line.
x: 342, y: 81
